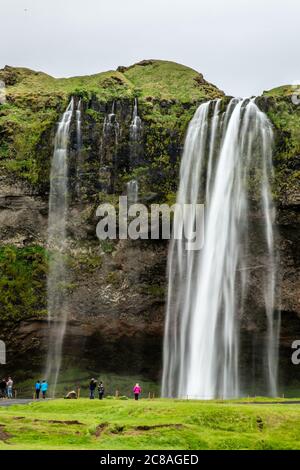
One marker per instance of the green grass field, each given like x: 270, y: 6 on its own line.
x: 149, y: 424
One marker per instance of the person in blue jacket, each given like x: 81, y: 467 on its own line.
x: 37, y: 389
x: 92, y: 387
x: 44, y: 388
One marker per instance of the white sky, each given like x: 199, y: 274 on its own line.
x: 242, y: 46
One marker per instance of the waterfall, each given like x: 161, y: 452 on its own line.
x: 135, y: 136
x: 207, y: 291
x: 132, y: 192
x: 136, y: 123
x: 78, y: 125
x: 78, y: 143
x: 111, y: 125
x: 109, y: 148
x: 57, y: 275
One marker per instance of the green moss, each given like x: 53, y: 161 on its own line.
x: 285, y: 117
x: 107, y: 246
x: 22, y: 283
x: 169, y: 81
x: 154, y: 290
x: 21, y: 131
x: 167, y: 93
x: 113, y: 278
x: 94, y: 115
x: 281, y: 91
x: 154, y: 78
x: 171, y: 198
x: 105, y: 198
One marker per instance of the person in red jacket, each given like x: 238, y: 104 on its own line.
x: 137, y: 391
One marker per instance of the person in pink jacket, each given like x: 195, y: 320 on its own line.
x: 137, y: 391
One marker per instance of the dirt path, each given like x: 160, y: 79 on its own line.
x: 17, y: 401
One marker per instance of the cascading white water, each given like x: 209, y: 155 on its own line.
x: 78, y: 124
x: 136, y: 123
x: 135, y: 136
x: 57, y: 275
x: 78, y: 143
x: 111, y: 125
x: 132, y: 192
x: 207, y: 289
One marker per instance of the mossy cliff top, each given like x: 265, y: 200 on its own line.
x: 147, y: 79
x: 35, y: 101
x: 168, y: 95
x: 282, y: 106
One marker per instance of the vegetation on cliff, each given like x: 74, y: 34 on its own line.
x: 168, y: 94
x: 34, y: 102
x: 22, y: 283
x: 284, y: 113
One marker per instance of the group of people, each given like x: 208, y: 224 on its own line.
x: 41, y: 387
x: 137, y: 390
x: 6, y: 388
x: 92, y: 388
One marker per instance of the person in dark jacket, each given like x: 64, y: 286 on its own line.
x: 38, y: 386
x: 3, y: 388
x: 92, y: 387
x: 101, y: 390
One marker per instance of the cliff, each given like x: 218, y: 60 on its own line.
x: 117, y: 288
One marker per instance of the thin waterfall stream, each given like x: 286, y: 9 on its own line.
x: 136, y: 123
x: 57, y: 275
x: 111, y: 126
x: 135, y: 136
x: 78, y: 145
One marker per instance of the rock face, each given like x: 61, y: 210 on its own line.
x: 117, y: 288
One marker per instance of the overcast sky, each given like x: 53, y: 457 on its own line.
x: 242, y: 46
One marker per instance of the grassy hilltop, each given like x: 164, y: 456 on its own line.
x: 35, y: 101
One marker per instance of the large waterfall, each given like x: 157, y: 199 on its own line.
x: 227, y: 165
x: 57, y: 276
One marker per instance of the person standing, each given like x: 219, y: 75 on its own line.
x: 37, y: 389
x: 9, y: 387
x: 101, y: 390
x: 137, y: 391
x: 92, y: 387
x: 44, y: 388
x: 3, y: 388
